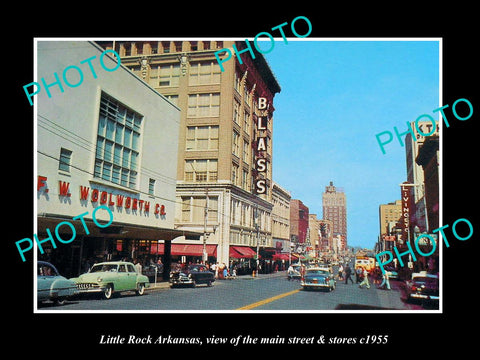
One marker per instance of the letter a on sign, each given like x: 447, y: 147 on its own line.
x: 262, y: 103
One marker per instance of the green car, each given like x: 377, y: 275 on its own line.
x: 109, y: 277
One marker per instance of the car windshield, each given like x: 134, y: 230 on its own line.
x: 317, y: 272
x: 103, y: 267
x: 196, y: 268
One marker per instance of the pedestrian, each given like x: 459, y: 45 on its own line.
x: 365, y: 280
x: 348, y: 273
x: 385, y: 285
x: 358, y: 274
x: 340, y: 272
x: 138, y: 266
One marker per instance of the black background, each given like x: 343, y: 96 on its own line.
x: 71, y: 334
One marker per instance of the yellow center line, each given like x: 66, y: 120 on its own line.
x: 268, y: 300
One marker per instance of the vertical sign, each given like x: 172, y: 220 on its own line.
x: 405, y: 219
x: 261, y: 162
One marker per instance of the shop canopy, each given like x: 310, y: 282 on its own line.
x: 185, y: 249
x: 242, y: 252
x: 281, y: 257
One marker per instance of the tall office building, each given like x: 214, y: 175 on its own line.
x: 335, y: 210
x: 223, y: 134
x: 415, y: 174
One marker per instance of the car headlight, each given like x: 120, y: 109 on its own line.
x: 99, y: 279
x: 189, y: 276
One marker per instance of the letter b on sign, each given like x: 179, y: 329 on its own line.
x: 262, y: 103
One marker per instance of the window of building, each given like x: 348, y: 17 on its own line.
x: 168, y: 75
x: 236, y: 112
x: 186, y: 209
x: 166, y: 47
x: 207, y: 72
x: 235, y: 144
x: 201, y: 170
x: 118, y: 141
x: 246, y: 148
x: 202, y: 138
x: 65, y: 159
x: 213, y: 208
x: 203, y: 105
x: 193, y: 209
x: 235, y: 174
x: 151, y: 186
x: 173, y: 99
x: 236, y: 83
x: 246, y: 121
x: 153, y: 47
x: 245, y: 180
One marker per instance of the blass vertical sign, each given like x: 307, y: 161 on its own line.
x: 261, y: 161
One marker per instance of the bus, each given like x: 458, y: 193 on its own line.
x: 365, y: 261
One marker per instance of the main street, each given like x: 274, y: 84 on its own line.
x: 266, y: 292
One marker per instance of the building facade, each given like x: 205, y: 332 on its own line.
x: 335, y: 209
x: 415, y: 174
x: 107, y: 142
x: 223, y: 134
x: 389, y: 216
x: 281, y: 218
x: 299, y: 218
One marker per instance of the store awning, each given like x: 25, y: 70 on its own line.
x: 281, y: 257
x: 186, y: 249
x: 242, y: 252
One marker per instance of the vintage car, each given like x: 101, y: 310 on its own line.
x: 423, y: 287
x: 318, y: 278
x: 191, y: 275
x: 294, y: 272
x: 326, y: 267
x: 154, y: 272
x: 52, y: 286
x: 108, y: 277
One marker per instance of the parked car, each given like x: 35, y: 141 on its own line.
x: 422, y: 287
x: 106, y: 278
x: 318, y: 278
x: 192, y: 275
x: 153, y: 271
x: 52, y: 286
x: 294, y: 273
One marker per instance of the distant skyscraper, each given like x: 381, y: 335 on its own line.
x: 335, y: 210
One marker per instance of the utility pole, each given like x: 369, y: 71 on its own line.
x: 205, y: 255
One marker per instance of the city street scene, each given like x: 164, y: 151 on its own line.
x: 234, y: 175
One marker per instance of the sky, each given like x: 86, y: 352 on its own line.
x: 335, y: 97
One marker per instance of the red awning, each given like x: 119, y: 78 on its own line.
x: 187, y: 249
x: 241, y: 252
x: 280, y: 257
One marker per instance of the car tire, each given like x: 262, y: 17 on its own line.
x: 108, y: 293
x: 140, y: 289
x: 209, y: 283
